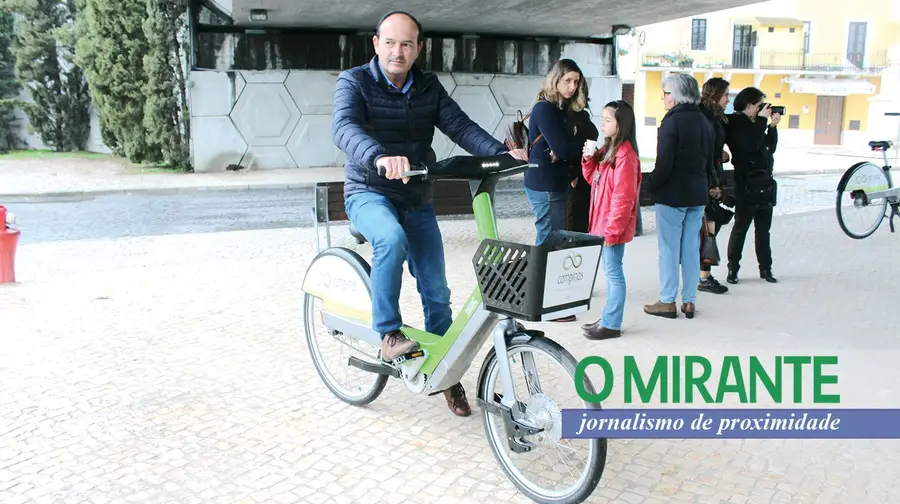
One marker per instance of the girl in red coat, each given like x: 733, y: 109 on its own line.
x: 614, y: 172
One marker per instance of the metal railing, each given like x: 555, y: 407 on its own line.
x: 750, y: 58
x: 823, y: 61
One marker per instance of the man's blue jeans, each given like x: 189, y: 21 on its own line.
x: 398, y: 235
x: 678, y: 233
x: 549, y: 210
x: 614, y: 310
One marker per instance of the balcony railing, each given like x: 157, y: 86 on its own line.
x: 751, y: 58
x: 823, y: 62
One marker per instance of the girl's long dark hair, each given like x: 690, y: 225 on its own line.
x: 626, y: 132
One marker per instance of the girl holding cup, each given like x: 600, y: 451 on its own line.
x: 614, y: 173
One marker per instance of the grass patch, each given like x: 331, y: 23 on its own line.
x: 29, y: 154
x: 49, y: 155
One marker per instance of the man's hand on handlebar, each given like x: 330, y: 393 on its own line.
x: 394, y: 166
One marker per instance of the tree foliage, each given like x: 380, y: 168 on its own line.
x: 45, y: 64
x: 9, y: 85
x: 131, y: 52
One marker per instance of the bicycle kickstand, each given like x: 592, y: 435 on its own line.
x: 894, y: 213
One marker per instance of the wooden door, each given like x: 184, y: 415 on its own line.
x: 829, y: 119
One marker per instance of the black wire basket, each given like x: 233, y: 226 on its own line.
x: 534, y: 283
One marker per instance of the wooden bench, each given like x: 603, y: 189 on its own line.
x: 451, y: 197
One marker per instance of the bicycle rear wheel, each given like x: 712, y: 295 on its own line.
x: 859, y: 215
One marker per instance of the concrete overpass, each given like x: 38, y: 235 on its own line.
x: 263, y: 71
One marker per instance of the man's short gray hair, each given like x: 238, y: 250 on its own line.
x: 683, y: 88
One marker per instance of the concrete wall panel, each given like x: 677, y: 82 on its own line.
x: 312, y: 90
x: 311, y: 143
x: 282, y: 112
x: 268, y: 158
x: 214, y: 93
x: 216, y: 143
x: 265, y: 114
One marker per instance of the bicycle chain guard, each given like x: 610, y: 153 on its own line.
x: 409, y: 365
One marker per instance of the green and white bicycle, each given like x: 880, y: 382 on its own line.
x: 864, y: 193
x: 515, y: 281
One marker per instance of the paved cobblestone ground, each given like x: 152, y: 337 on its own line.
x: 173, y: 370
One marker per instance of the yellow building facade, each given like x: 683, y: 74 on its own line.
x: 824, y: 60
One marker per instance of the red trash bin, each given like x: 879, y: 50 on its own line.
x: 9, y: 238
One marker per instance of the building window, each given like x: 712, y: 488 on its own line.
x: 854, y: 125
x: 698, y: 35
x: 650, y: 121
x: 771, y: 29
x: 793, y: 122
x: 792, y: 30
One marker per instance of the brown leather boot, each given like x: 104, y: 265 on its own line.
x: 688, y: 309
x: 456, y: 400
x: 660, y: 309
x: 592, y: 325
x: 601, y: 333
x: 394, y: 344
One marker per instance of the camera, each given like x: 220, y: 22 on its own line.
x: 776, y: 109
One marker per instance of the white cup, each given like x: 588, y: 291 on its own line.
x: 589, y: 147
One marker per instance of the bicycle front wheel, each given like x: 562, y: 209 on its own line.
x: 859, y: 215
x: 570, y: 474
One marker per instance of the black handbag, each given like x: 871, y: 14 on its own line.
x: 709, y: 251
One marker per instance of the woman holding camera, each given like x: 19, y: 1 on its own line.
x: 751, y: 136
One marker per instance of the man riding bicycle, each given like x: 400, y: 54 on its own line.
x: 384, y: 116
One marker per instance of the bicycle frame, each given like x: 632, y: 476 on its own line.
x: 891, y: 193
x: 447, y: 357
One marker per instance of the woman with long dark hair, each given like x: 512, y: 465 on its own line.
x: 614, y: 175
x: 713, y: 100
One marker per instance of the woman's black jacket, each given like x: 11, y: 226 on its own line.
x: 683, y: 173
x: 752, y: 144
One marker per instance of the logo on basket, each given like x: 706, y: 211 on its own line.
x: 572, y: 261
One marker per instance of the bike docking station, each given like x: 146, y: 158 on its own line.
x: 514, y: 282
x: 9, y: 239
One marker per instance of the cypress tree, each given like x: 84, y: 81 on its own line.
x: 9, y: 85
x: 42, y: 46
x: 111, y: 48
x: 132, y: 56
x: 166, y: 116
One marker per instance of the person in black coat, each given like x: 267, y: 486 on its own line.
x: 752, y: 137
x: 713, y: 100
x: 579, y: 204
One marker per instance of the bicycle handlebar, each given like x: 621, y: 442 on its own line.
x: 466, y: 167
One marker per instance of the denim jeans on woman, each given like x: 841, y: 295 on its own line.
x: 614, y: 311
x: 678, y: 232
x: 549, y: 212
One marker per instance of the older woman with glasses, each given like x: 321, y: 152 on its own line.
x: 680, y: 184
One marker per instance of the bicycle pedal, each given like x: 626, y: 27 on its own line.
x: 409, y: 356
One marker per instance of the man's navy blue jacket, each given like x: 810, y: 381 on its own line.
x: 371, y: 119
